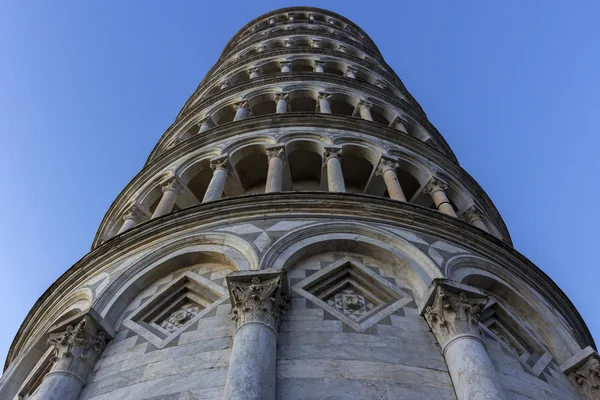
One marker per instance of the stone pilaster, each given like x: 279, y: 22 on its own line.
x: 583, y: 371
x: 76, y: 351
x: 452, y: 312
x: 258, y: 303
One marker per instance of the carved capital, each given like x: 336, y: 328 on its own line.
x: 399, y: 120
x: 241, y: 104
x: 173, y: 185
x: 281, y: 96
x: 219, y: 163
x: 332, y: 152
x: 364, y: 105
x: 271, y: 21
x: 276, y: 151
x: 380, y: 84
x: 204, y: 121
x: 224, y: 84
x: 316, y: 43
x: 472, y: 214
x: 453, y: 310
x: 285, y: 64
x: 289, y: 43
x: 320, y: 64
x: 77, y: 349
x: 583, y: 371
x: 435, y: 185
x: 253, y: 70
x: 342, y: 48
x: 324, y: 96
x: 386, y: 163
x: 331, y: 20
x: 351, y: 71
x: 134, y: 213
x: 291, y: 16
x: 257, y: 297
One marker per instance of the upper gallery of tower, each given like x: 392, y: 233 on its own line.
x: 320, y: 48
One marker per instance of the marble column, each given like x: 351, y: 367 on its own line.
x: 319, y: 66
x: 286, y: 66
x: 76, y: 351
x: 350, y: 72
x: 241, y: 111
x: 276, y: 156
x: 289, y: 43
x: 131, y: 218
x: 258, y: 303
x: 217, y: 183
x: 387, y: 168
x: 452, y: 312
x: 224, y: 84
x: 324, y: 106
x: 281, y: 99
x: 364, y: 109
x: 583, y: 371
x: 205, y: 124
x: 435, y: 188
x: 254, y: 72
x: 335, y: 177
x: 316, y: 43
x: 399, y: 124
x: 474, y: 217
x: 171, y: 190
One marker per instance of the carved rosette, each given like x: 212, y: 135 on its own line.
x: 586, y: 379
x: 451, y: 315
x: 77, y: 349
x: 259, y: 301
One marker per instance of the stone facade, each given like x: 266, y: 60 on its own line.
x: 302, y: 231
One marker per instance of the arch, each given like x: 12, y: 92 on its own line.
x: 358, y: 162
x: 222, y: 247
x: 251, y: 164
x: 412, y: 265
x: 305, y: 160
x: 531, y: 307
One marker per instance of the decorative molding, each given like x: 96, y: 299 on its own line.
x: 173, y: 185
x: 583, y: 371
x: 385, y: 164
x: 220, y: 163
x: 435, y: 185
x: 277, y: 150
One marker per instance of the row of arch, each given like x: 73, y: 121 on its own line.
x: 305, y: 98
x: 245, y: 167
x: 299, y: 64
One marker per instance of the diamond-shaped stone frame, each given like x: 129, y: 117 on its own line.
x: 402, y: 298
x: 218, y: 290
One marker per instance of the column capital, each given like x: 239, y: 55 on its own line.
x: 241, y: 104
x: 332, y: 152
x: 324, y: 96
x: 316, y: 42
x: 583, y: 371
x: 276, y: 150
x: 399, y: 120
x: 253, y: 69
x: 364, y: 104
x: 380, y: 84
x: 220, y: 163
x: 257, y: 297
x: 282, y: 96
x: 288, y: 43
x: 452, y: 310
x: 173, y: 185
x: 271, y: 20
x: 134, y: 213
x: 342, y: 48
x: 435, y: 185
x: 291, y: 16
x: 472, y: 214
x: 224, y: 83
x: 351, y: 70
x: 285, y: 63
x: 386, y: 163
x: 319, y: 63
x: 204, y: 120
x: 77, y: 348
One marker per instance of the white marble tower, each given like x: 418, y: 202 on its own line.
x: 302, y: 231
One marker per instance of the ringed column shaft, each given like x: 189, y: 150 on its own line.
x: 387, y: 169
x: 324, y: 106
x: 171, y: 190
x: 76, y: 351
x: 241, y: 111
x: 335, y: 177
x: 436, y: 188
x: 281, y: 99
x: 258, y: 303
x: 217, y: 182
x: 276, y: 156
x: 452, y: 312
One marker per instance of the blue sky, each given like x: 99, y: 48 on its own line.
x: 87, y: 88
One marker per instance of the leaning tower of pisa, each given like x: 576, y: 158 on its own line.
x: 302, y: 231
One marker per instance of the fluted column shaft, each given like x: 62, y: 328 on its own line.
x: 335, y: 177
x: 436, y: 188
x: 171, y: 190
x: 217, y: 182
x: 452, y: 312
x: 276, y: 156
x: 257, y: 305
x: 387, y: 169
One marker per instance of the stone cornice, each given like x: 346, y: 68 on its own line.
x: 315, y: 205
x: 328, y: 121
x: 260, y: 82
x: 214, y: 77
x: 250, y: 24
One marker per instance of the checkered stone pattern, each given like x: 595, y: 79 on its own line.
x: 341, y: 300
x: 180, y: 316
